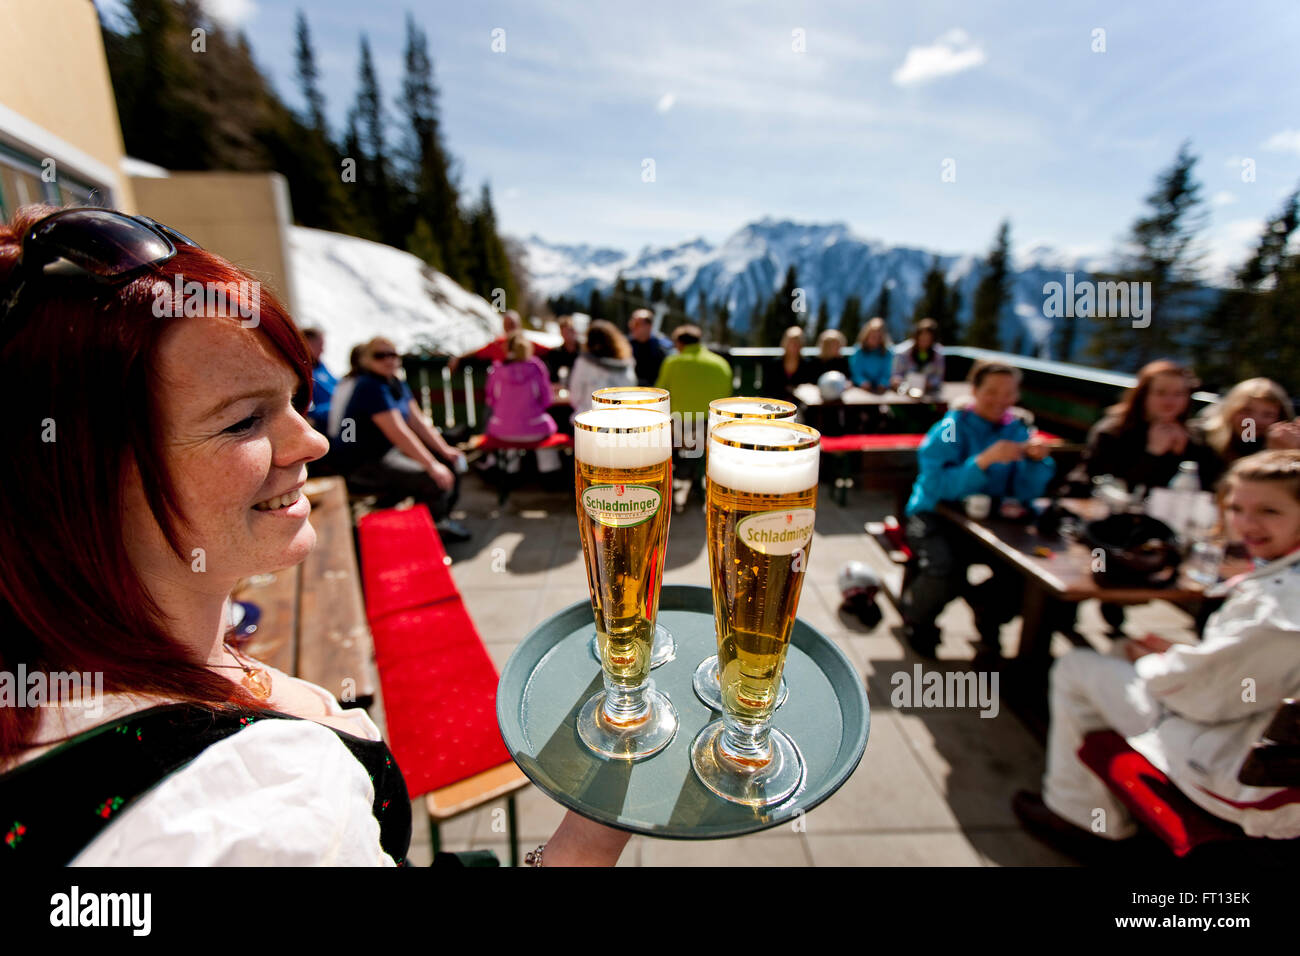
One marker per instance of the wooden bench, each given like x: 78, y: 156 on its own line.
x: 438, y: 682
x: 313, y: 622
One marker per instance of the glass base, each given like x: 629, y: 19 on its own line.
x: 764, y: 786
x: 709, y: 690
x: 637, y: 741
x: 663, y: 650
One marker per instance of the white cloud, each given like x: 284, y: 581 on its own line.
x: 1223, y: 198
x: 951, y: 53
x: 1286, y: 141
x: 230, y: 13
x: 665, y: 103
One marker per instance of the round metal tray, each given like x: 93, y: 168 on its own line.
x: 551, y: 675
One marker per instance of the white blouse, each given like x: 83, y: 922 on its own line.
x: 278, y: 793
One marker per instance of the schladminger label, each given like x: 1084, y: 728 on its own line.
x: 777, y: 532
x: 619, y: 506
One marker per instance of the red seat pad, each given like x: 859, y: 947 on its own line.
x: 403, y: 564
x: 439, y: 690
x: 1150, y: 796
x: 554, y: 441
x: 838, y: 444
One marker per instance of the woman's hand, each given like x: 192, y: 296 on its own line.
x: 582, y: 842
x: 1166, y: 437
x: 1000, y: 452
x: 442, y: 475
x: 1036, y: 449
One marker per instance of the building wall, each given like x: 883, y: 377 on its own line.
x: 56, y: 102
x: 244, y: 217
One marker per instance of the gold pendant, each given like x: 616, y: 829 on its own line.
x: 258, y: 683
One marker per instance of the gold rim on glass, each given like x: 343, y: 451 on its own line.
x: 598, y: 395
x: 812, y: 436
x: 620, y: 429
x: 788, y: 409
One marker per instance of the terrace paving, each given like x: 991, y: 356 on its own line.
x: 935, y: 785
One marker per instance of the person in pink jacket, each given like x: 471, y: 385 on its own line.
x: 519, y: 392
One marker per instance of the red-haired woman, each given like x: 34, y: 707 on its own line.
x: 155, y: 452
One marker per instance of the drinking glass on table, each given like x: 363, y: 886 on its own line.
x: 659, y: 400
x: 761, y: 507
x: 722, y: 410
x: 623, y: 481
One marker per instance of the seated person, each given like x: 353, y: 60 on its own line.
x: 782, y: 375
x: 872, y: 365
x: 495, y: 351
x: 518, y: 392
x: 1182, y: 706
x: 194, y: 754
x: 694, y: 377
x: 1249, y: 418
x: 323, y: 381
x: 559, y: 362
x: 383, y: 443
x: 982, y: 449
x: 605, y: 362
x: 1143, y: 439
x: 830, y: 355
x: 920, y: 358
x: 649, y: 348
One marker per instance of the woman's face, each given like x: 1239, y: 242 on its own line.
x: 792, y: 344
x: 1166, y: 399
x: 383, y: 359
x: 995, y: 396
x: 873, y: 340
x: 1264, y: 412
x: 925, y: 340
x: 233, y: 444
x: 1266, y: 517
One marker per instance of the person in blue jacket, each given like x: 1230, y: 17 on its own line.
x: 323, y: 381
x: 872, y: 364
x: 982, y: 449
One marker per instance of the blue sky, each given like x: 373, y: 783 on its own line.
x: 855, y: 126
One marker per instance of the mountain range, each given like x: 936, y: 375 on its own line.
x: 832, y: 264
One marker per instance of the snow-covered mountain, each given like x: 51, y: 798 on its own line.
x: 831, y: 261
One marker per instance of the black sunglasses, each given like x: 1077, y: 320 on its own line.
x: 102, y: 246
x: 380, y: 356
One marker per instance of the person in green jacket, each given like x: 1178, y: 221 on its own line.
x: 693, y: 377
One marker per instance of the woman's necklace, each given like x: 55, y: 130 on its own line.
x: 256, y: 679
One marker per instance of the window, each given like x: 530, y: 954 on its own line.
x: 25, y: 179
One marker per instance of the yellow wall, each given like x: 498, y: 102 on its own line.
x: 244, y: 217
x: 55, y: 76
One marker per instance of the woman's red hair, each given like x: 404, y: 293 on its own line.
x: 82, y: 402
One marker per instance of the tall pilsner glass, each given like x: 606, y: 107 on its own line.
x: 762, y: 502
x: 705, y: 679
x: 641, y: 396
x: 624, y: 487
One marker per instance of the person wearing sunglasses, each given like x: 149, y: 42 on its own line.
x: 382, y: 443
x: 151, y: 462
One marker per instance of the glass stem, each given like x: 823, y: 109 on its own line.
x: 626, y: 705
x: 745, y: 741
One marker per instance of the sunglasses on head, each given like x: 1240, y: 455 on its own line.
x: 101, y: 246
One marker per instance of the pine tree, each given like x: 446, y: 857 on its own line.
x: 374, y: 167
x: 780, y: 313
x: 489, y: 266
x: 940, y: 303
x: 309, y: 76
x: 596, y: 305
x: 433, y: 196
x: 1161, y: 249
x: 823, y: 319
x: 991, y: 294
x: 883, y: 303
x: 851, y: 319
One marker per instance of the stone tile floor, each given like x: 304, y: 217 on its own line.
x: 934, y: 786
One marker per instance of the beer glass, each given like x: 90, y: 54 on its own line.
x: 658, y: 399
x: 760, y: 510
x: 623, y: 481
x: 705, y: 680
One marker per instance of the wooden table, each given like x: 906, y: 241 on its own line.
x: 313, y: 622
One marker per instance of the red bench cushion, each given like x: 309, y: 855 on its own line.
x: 439, y: 690
x: 554, y: 441
x: 886, y: 441
x: 1150, y: 796
x: 403, y: 564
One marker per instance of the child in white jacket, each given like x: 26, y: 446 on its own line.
x: 1192, y: 710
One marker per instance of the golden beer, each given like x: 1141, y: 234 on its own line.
x: 623, y: 487
x: 760, y: 525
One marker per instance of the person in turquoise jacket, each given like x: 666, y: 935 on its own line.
x: 872, y: 365
x: 982, y: 449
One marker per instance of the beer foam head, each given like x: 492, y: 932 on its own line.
x: 764, y: 458
x: 622, y: 437
x: 636, y: 396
